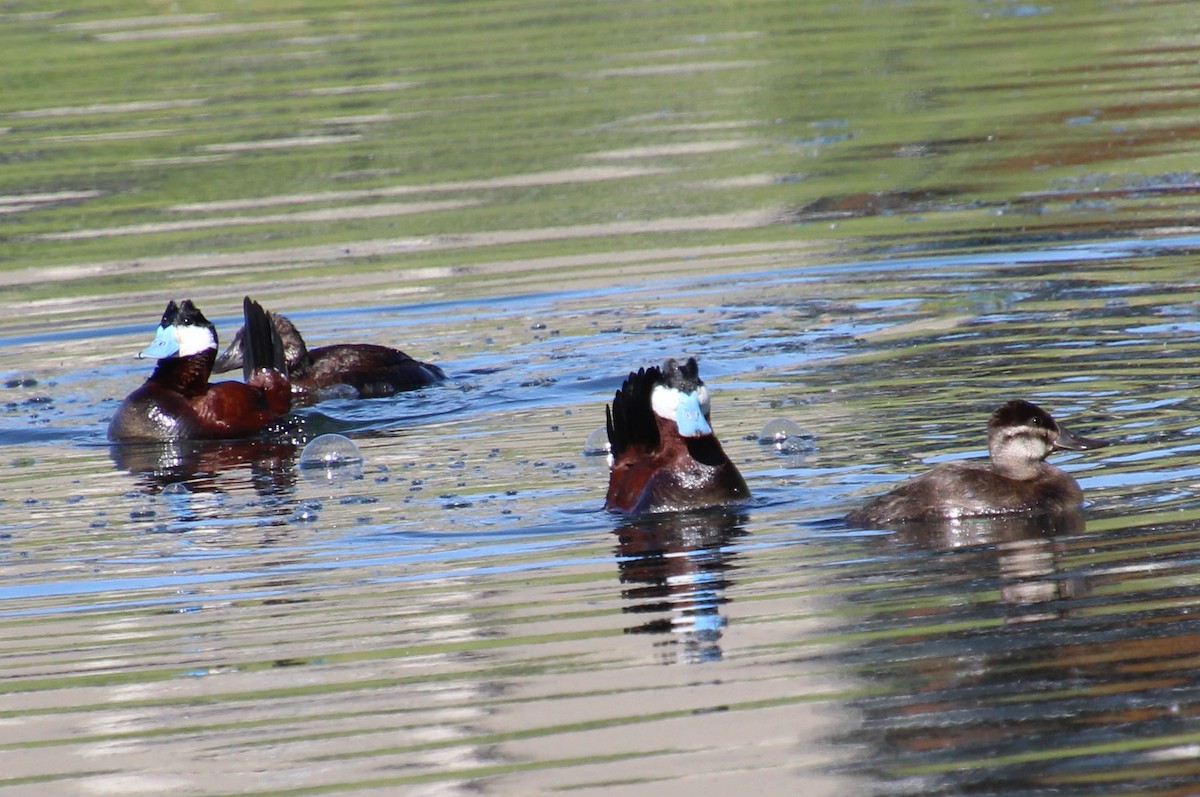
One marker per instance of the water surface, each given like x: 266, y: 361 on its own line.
x: 878, y: 221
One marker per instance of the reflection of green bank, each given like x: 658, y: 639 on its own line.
x: 477, y: 143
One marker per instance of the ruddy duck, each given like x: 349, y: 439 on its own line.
x: 1020, y: 437
x: 372, y: 371
x: 663, y: 453
x: 178, y: 403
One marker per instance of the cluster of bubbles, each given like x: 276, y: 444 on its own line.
x: 785, y: 436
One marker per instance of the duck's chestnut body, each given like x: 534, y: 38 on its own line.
x: 663, y: 453
x: 178, y: 402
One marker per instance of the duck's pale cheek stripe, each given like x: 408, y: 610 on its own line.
x: 193, y: 340
x: 683, y: 408
x: 664, y: 400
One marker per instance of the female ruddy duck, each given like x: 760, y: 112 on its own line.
x: 663, y: 453
x: 372, y: 371
x: 178, y: 403
x: 1018, y: 479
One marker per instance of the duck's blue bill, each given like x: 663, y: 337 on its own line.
x: 166, y: 344
x: 689, y: 417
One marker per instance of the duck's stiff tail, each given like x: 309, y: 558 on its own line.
x: 261, y: 344
x: 630, y: 419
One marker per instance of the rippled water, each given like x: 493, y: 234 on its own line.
x: 877, y: 221
x: 466, y: 611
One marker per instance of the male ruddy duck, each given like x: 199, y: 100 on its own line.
x: 178, y: 403
x: 372, y: 371
x: 1017, y: 479
x: 663, y: 453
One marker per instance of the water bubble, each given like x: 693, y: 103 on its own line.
x: 307, y: 512
x: 330, y: 451
x: 597, y: 443
x: 786, y: 436
x: 176, y: 488
x: 333, y: 456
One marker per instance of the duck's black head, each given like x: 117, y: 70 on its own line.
x: 1021, y: 430
x: 681, y: 396
x: 183, y: 332
x: 674, y: 392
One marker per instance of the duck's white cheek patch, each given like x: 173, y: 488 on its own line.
x: 682, y: 408
x: 664, y: 400
x: 193, y: 340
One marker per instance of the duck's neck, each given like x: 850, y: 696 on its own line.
x: 1019, y: 456
x: 295, y: 353
x: 706, y: 450
x: 186, y: 375
x: 1019, y: 469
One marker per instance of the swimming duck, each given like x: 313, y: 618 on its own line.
x: 177, y: 402
x: 1017, y: 479
x: 372, y: 371
x: 663, y: 453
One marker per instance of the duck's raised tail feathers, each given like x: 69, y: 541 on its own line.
x: 630, y: 420
x: 261, y: 344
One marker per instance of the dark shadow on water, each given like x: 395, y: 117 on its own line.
x: 674, y: 568
x: 268, y: 465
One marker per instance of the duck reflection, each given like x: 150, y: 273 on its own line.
x: 675, y: 566
x: 1099, y: 690
x: 1022, y: 551
x: 208, y: 465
